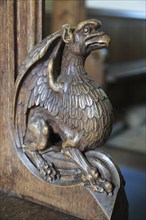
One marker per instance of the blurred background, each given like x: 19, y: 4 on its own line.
x: 121, y: 72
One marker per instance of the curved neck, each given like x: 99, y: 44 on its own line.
x: 71, y: 63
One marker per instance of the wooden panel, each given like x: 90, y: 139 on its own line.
x: 13, y: 49
x: 7, y: 74
x: 67, y: 12
x: 15, y: 42
x: 28, y: 26
x: 127, y: 35
x: 21, y: 209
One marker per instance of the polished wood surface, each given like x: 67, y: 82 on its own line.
x: 14, y: 176
x: 27, y: 26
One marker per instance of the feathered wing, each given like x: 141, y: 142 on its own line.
x: 83, y: 106
x: 32, y: 88
x: 87, y: 109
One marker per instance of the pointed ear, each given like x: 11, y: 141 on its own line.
x: 67, y: 34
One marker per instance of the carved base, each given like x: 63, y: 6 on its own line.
x: 108, y: 206
x: 79, y: 199
x: 112, y: 208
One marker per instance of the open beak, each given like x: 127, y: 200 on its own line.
x: 96, y: 41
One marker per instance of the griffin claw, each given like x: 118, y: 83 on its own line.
x: 98, y: 184
x: 48, y: 172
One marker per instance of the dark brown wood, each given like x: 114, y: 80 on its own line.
x: 15, y: 208
x: 28, y: 27
x: 14, y: 176
x: 67, y: 12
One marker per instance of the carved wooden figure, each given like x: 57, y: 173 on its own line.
x: 61, y: 116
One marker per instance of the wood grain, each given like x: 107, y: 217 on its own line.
x: 22, y: 209
x: 15, y: 42
x: 28, y: 27
x: 127, y: 35
x: 67, y: 12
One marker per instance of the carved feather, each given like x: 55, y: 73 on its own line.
x: 81, y: 105
x: 35, y: 92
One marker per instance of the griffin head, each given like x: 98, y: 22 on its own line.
x: 85, y: 37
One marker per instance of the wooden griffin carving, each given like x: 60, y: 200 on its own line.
x: 61, y: 115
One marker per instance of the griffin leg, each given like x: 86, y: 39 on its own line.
x: 90, y: 174
x: 71, y: 141
x: 35, y: 141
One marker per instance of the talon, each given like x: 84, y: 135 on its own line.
x: 84, y: 177
x: 100, y: 189
x: 49, y: 179
x: 108, y: 187
x: 46, y: 167
x: 49, y: 171
x: 96, y: 175
x: 101, y: 180
x: 97, y: 188
x: 42, y: 173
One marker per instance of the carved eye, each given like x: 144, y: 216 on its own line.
x: 87, y: 30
